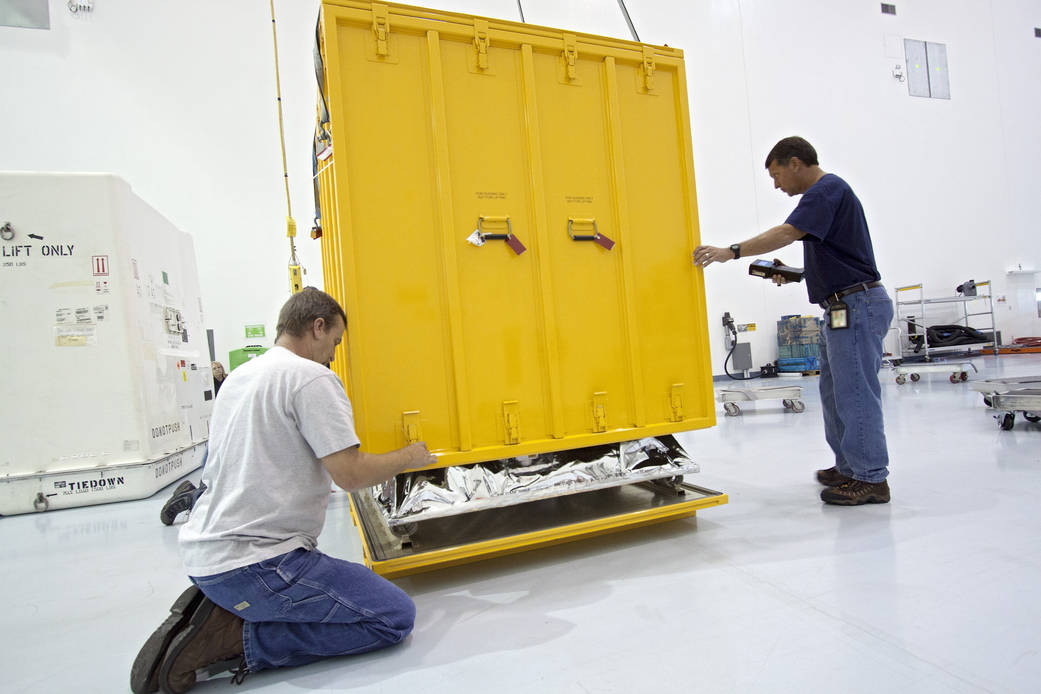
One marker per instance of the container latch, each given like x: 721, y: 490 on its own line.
x: 410, y: 425
x: 511, y: 418
x: 596, y: 237
x: 481, y: 43
x: 570, y: 56
x: 648, y: 68
x: 600, y: 411
x: 480, y: 235
x: 381, y: 28
x: 676, y: 402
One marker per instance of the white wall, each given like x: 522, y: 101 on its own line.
x: 178, y: 98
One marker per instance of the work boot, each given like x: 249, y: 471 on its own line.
x: 144, y: 674
x: 832, y: 477
x: 182, y: 499
x: 856, y: 492
x: 213, y: 636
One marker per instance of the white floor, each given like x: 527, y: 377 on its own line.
x: 939, y: 591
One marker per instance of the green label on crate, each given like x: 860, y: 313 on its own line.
x: 254, y: 331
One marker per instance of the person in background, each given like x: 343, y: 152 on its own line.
x: 186, y: 493
x: 841, y: 276
x: 219, y: 374
x: 263, y: 595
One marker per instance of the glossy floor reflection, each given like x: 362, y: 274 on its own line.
x: 775, y: 592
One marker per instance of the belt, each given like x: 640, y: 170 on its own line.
x: 837, y: 296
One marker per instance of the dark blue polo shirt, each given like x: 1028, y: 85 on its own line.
x: 837, y: 248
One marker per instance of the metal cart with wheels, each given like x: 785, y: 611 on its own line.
x: 1025, y: 400
x: 790, y: 397
x: 958, y: 371
x: 1003, y: 385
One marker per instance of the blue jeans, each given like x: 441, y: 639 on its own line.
x: 851, y: 395
x: 303, y: 606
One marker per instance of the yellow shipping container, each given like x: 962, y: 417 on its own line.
x: 509, y: 214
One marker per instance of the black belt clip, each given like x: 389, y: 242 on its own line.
x: 838, y: 315
x: 838, y: 311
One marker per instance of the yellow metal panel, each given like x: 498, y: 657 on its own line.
x: 441, y: 120
x: 521, y: 542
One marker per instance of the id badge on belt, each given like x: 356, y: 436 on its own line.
x: 838, y: 316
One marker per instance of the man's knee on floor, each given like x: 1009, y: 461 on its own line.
x: 403, y: 617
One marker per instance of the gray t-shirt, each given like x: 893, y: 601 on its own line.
x: 267, y: 490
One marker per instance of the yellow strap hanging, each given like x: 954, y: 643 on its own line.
x: 295, y: 271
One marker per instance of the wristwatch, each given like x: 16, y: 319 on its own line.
x: 735, y: 248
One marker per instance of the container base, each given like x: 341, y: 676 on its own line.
x: 49, y: 491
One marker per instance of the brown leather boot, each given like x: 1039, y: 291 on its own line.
x: 212, y: 636
x: 144, y: 674
x: 855, y: 493
x: 831, y: 477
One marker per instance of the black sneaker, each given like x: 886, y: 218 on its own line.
x: 182, y: 499
x: 855, y: 493
x: 832, y: 477
x: 144, y: 674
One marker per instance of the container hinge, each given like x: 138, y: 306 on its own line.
x: 511, y: 418
x: 570, y: 56
x: 410, y: 425
x: 481, y: 43
x: 648, y: 68
x: 381, y: 28
x: 600, y: 411
x: 676, y: 402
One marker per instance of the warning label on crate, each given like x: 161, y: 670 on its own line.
x: 21, y: 254
x: 68, y: 488
x: 491, y: 195
x: 75, y: 335
x: 100, y: 263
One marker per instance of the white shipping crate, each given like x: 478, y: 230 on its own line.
x: 107, y: 390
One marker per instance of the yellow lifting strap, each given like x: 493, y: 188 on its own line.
x: 295, y: 271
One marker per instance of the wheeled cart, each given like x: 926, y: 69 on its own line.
x: 1025, y: 400
x: 958, y: 370
x: 790, y: 397
x: 1003, y: 385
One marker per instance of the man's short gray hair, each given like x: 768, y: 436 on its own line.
x: 303, y: 308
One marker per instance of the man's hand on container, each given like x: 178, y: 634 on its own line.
x: 706, y: 255
x: 418, y: 455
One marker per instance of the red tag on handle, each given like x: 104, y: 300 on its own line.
x: 514, y: 243
x: 604, y: 241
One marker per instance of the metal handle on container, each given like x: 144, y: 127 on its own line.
x: 512, y: 241
x: 596, y: 237
x: 494, y: 220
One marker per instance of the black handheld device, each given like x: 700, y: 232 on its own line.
x: 767, y: 269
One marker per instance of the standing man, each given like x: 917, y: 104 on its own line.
x: 263, y: 596
x: 842, y: 277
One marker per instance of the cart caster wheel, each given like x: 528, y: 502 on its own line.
x: 955, y: 378
x: 916, y: 378
x: 732, y: 409
x: 787, y: 404
x: 1007, y: 421
x: 901, y: 380
x: 964, y: 376
x: 798, y: 406
x: 987, y: 401
x: 1031, y: 417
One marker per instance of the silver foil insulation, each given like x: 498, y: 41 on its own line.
x: 427, y: 494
